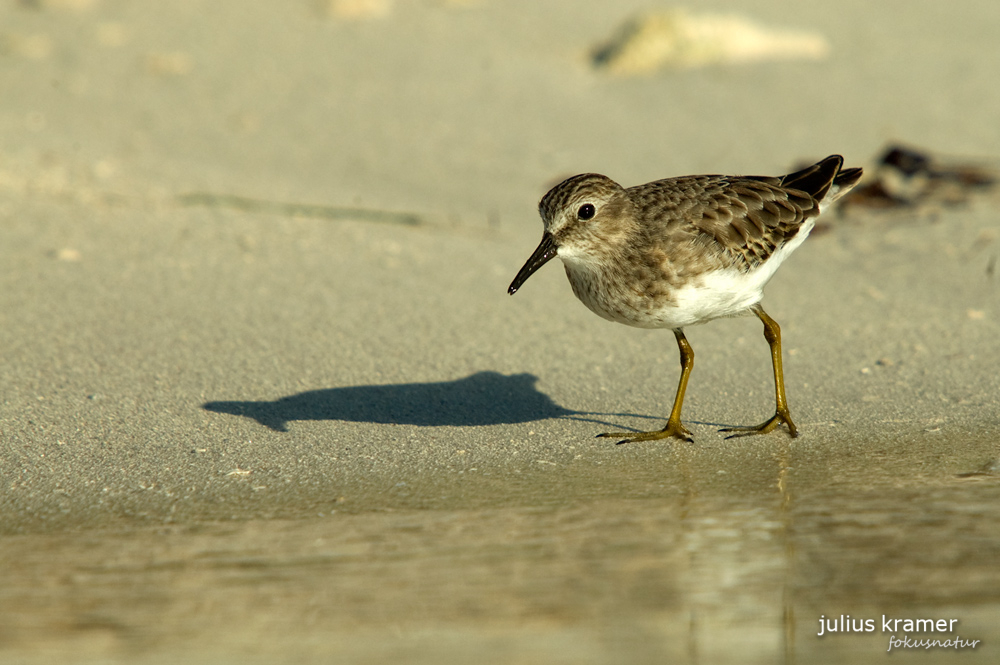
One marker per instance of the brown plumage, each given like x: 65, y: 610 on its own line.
x: 682, y: 251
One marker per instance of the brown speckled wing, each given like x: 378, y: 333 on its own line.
x: 754, y: 218
x: 745, y: 219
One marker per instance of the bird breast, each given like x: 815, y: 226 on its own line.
x: 652, y: 293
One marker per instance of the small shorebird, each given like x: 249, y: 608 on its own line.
x: 682, y: 251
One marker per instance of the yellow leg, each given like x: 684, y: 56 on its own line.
x: 772, y: 333
x: 674, y: 428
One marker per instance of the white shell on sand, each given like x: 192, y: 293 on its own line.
x: 371, y: 9
x: 358, y: 9
x: 678, y: 39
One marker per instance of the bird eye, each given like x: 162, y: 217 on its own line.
x: 586, y: 211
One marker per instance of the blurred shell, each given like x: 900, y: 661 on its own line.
x: 677, y: 39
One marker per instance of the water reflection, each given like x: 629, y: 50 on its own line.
x: 695, y: 576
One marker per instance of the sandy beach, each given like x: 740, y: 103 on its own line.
x: 264, y: 397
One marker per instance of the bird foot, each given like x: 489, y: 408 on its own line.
x: 765, y: 427
x: 674, y: 429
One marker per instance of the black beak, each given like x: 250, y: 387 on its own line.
x: 546, y: 250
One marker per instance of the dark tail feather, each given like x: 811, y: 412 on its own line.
x: 848, y: 178
x: 825, y: 180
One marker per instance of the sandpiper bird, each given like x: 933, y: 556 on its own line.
x: 682, y: 251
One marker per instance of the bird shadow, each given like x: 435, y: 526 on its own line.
x: 483, y: 398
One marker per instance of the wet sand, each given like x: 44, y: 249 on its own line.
x: 263, y: 396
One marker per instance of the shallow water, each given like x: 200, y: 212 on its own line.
x: 707, y: 560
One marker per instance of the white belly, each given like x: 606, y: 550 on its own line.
x: 718, y: 294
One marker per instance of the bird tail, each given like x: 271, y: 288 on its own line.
x: 844, y: 182
x: 826, y: 180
